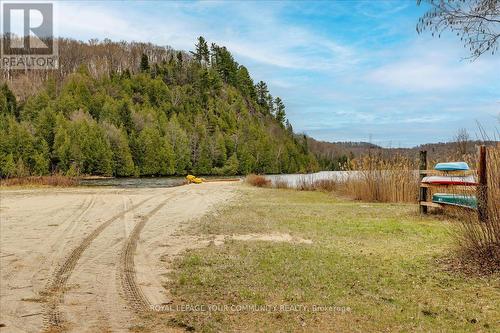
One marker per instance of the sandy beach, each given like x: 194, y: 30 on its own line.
x: 87, y: 259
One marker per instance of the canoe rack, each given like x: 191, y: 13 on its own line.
x: 480, y: 189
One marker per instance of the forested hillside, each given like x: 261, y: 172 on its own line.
x: 161, y: 113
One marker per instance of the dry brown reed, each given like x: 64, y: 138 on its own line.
x: 309, y: 184
x: 280, y: 183
x: 326, y: 185
x: 54, y: 180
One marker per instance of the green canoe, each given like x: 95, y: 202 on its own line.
x: 468, y: 201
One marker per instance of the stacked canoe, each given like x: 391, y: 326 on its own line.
x: 452, y: 174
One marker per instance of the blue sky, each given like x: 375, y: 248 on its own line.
x: 347, y: 70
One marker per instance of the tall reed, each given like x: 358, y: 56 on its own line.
x: 382, y: 179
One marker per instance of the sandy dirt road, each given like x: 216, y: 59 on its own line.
x: 89, y: 259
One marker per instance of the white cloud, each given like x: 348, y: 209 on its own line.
x: 380, y: 9
x: 432, y: 67
x: 424, y: 75
x: 76, y: 19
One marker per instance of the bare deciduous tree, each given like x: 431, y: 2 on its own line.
x: 476, y: 22
x: 462, y: 139
x: 101, y: 58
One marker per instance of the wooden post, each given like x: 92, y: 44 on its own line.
x: 482, y: 188
x: 423, y: 190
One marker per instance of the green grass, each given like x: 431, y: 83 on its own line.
x: 378, y: 262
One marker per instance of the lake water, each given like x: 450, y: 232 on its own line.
x: 134, y: 182
x: 140, y: 182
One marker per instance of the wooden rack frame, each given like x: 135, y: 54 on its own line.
x: 480, y: 189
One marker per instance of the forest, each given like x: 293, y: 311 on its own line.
x: 128, y: 109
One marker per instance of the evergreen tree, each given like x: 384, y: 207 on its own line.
x: 8, y: 103
x: 225, y: 65
x: 269, y: 105
x: 203, y: 164
x: 167, y: 158
x: 246, y: 161
x: 156, y: 153
x: 123, y: 164
x: 4, y: 109
x: 149, y: 142
x: 279, y: 110
x: 201, y: 54
x: 83, y: 145
x: 17, y: 139
x: 180, y: 144
x: 305, y: 146
x: 220, y: 154
x: 40, y: 164
x: 33, y: 106
x: 231, y: 166
x: 179, y: 59
x: 214, y: 51
x: 45, y: 125
x: 245, y: 82
x: 262, y: 93
x: 7, y: 165
x: 125, y: 115
x: 144, y: 67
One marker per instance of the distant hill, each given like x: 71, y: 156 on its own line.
x: 333, y: 155
x: 337, y: 148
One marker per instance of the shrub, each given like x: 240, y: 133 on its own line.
x: 257, y: 180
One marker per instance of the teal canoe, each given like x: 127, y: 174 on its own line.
x: 468, y: 201
x: 452, y: 166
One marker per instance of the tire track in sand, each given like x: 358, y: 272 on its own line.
x: 130, y: 289
x: 57, y: 245
x: 54, y: 291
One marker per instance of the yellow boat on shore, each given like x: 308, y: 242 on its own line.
x: 194, y: 179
